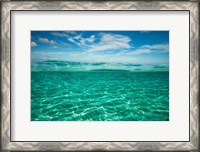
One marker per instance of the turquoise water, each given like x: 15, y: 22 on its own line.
x: 73, y: 91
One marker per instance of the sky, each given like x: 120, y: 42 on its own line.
x: 138, y: 47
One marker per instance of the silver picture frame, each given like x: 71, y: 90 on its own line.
x: 8, y: 6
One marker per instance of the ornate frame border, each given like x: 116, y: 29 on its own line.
x: 8, y: 6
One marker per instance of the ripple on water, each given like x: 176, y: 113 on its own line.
x: 99, y: 96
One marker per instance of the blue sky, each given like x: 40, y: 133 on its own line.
x: 141, y: 47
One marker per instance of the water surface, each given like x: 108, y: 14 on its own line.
x: 73, y: 91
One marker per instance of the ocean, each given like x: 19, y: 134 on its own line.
x: 79, y: 91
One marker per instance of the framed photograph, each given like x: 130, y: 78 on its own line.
x: 109, y: 75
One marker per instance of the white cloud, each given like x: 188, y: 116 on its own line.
x: 52, y: 42
x: 71, y: 40
x: 111, y: 42
x: 146, y: 49
x: 59, y: 34
x: 77, y: 37
x: 66, y: 44
x: 83, y: 57
x: 81, y: 41
x: 55, y: 47
x: 91, y: 39
x: 45, y: 40
x: 87, y: 41
x: 141, y: 51
x: 115, y: 42
x: 33, y: 44
x: 159, y: 47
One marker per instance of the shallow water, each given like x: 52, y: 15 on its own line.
x: 99, y: 95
